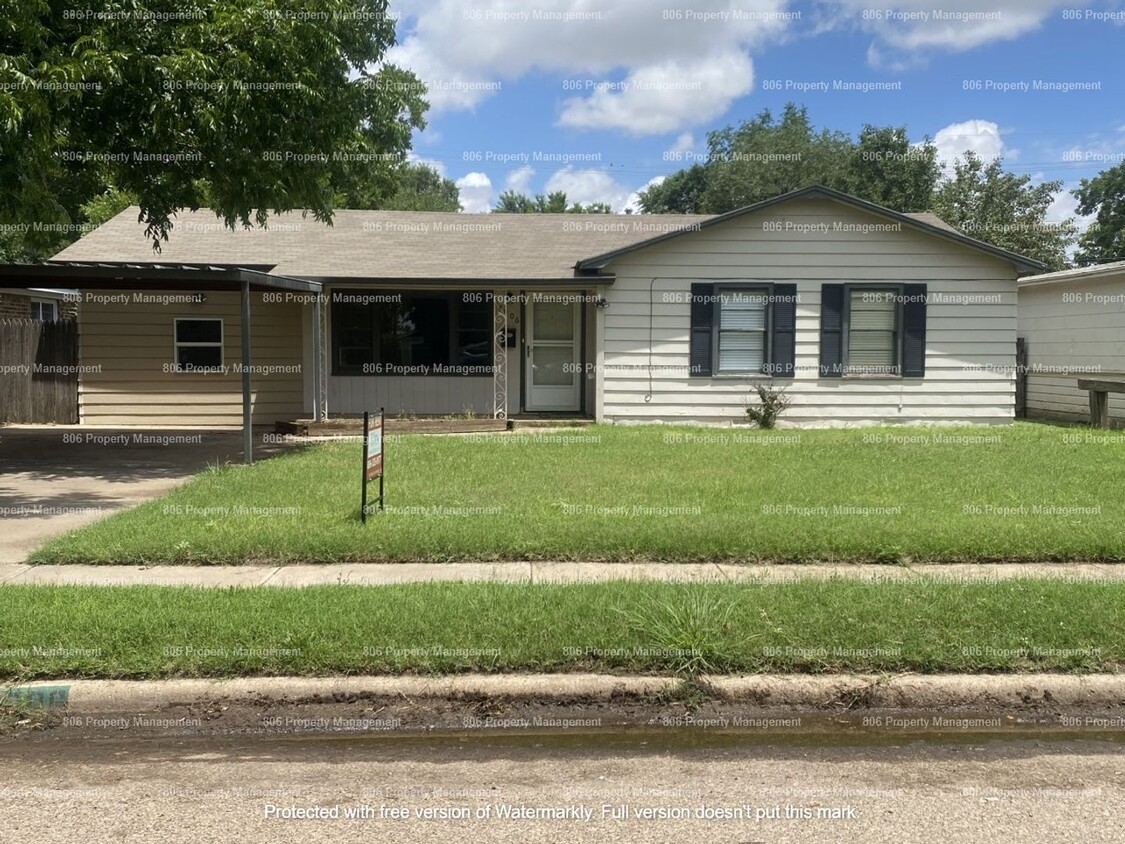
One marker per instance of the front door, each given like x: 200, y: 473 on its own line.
x: 552, y: 356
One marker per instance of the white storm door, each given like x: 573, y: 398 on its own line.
x: 552, y: 356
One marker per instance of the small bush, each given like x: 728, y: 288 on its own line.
x: 772, y: 403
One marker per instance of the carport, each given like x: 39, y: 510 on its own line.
x: 180, y: 278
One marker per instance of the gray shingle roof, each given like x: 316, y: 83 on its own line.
x: 384, y: 244
x: 391, y: 244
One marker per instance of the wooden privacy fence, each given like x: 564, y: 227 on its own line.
x: 38, y: 371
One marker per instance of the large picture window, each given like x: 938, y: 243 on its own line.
x: 378, y: 332
x: 199, y: 345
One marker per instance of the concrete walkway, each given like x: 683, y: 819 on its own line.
x: 373, y: 574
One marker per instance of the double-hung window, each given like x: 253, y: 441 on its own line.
x: 742, y: 335
x: 873, y: 331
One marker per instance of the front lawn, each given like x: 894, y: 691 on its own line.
x: 641, y: 627
x: 1028, y: 492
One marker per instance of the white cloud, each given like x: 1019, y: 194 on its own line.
x: 664, y: 97
x: 587, y: 186
x: 684, y: 143
x: 904, y: 30
x: 476, y: 192
x: 981, y: 136
x: 519, y: 180
x: 468, y: 49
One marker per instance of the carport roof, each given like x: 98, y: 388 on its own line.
x: 128, y: 275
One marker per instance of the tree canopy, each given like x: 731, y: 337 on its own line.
x: 419, y: 188
x: 513, y: 202
x: 765, y: 157
x: 988, y: 203
x: 1104, y: 197
x: 249, y: 107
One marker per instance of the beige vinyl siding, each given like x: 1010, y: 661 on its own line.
x: 125, y: 350
x: 1083, y: 336
x: 970, y: 352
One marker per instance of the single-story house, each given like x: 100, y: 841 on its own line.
x: 1073, y: 326
x: 864, y: 315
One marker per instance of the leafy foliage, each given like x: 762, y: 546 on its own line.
x: 988, y: 203
x: 1103, y: 196
x: 512, y: 202
x: 764, y: 157
x: 419, y: 188
x: 771, y: 404
x: 246, y: 106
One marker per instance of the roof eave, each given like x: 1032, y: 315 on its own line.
x: 91, y: 275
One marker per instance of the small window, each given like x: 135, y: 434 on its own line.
x: 873, y: 331
x: 199, y: 345
x: 743, y: 334
x: 44, y: 310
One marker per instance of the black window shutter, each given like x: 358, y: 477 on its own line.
x: 784, y: 331
x: 831, y: 330
x: 914, y: 330
x: 702, y: 321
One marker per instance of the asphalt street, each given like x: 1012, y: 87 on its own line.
x: 520, y: 786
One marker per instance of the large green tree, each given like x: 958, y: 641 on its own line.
x: 988, y: 203
x: 765, y: 157
x: 249, y: 107
x: 513, y: 202
x: 419, y: 187
x: 1104, y: 197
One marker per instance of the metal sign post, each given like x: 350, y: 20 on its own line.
x: 372, y: 458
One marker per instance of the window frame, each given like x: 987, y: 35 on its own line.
x: 455, y: 301
x: 177, y: 369
x: 766, y: 290
x: 846, y: 329
x: 41, y: 303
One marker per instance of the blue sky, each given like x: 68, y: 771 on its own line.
x: 631, y: 88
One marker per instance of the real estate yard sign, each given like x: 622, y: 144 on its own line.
x: 372, y: 457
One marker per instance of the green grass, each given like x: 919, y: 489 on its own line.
x: 815, y: 626
x: 757, y: 495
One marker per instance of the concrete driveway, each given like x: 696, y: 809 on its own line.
x: 57, y: 478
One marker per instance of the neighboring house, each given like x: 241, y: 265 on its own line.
x: 864, y: 315
x: 1073, y: 325
x: 43, y: 305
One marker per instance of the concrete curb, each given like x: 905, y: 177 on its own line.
x: 913, y: 691
x: 82, y: 697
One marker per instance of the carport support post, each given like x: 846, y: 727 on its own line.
x: 318, y: 352
x: 247, y: 428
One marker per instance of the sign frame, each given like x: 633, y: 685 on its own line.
x: 373, y: 458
